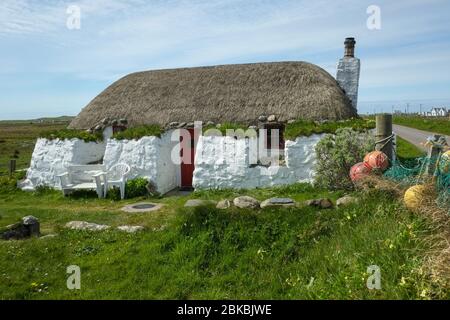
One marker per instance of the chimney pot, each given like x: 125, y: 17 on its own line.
x: 349, y: 47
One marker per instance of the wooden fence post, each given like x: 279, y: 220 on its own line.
x: 12, y: 167
x: 383, y: 134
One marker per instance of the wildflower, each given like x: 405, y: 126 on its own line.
x: 402, y: 281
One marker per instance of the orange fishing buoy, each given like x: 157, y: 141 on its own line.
x: 376, y: 160
x: 359, y: 171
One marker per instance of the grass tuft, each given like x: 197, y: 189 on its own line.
x: 139, y: 132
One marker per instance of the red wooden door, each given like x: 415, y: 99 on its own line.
x: 187, y: 153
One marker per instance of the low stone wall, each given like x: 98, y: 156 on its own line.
x: 51, y: 157
x: 224, y: 162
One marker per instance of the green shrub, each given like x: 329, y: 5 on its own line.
x: 139, y: 132
x: 67, y: 134
x: 336, y: 154
x: 134, y: 188
x: 137, y: 188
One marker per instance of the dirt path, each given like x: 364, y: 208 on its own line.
x: 414, y: 136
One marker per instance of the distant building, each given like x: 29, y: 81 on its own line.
x: 436, y: 112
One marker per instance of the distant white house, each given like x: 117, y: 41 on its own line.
x: 436, y: 112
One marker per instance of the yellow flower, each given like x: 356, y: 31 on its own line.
x: 424, y: 293
x: 402, y: 281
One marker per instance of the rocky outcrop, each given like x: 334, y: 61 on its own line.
x: 130, y: 229
x: 29, y: 227
x: 246, y: 202
x: 319, y: 203
x: 346, y: 200
x: 278, y: 202
x: 83, y: 225
x: 223, y: 204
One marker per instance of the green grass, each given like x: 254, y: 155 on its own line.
x: 139, y: 132
x: 307, y: 128
x: 406, y: 150
x: 206, y: 253
x: 437, y: 125
x: 67, y: 134
x: 17, y: 140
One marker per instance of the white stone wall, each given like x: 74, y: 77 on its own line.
x: 51, y: 157
x: 223, y: 162
x: 148, y: 157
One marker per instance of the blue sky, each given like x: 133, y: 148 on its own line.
x: 48, y: 70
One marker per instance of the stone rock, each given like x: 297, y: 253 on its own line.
x: 262, y: 118
x: 253, y: 127
x: 15, y: 231
x: 123, y: 121
x: 29, y: 227
x: 130, y: 229
x: 198, y: 203
x: 210, y: 123
x: 246, y: 202
x: 272, y: 118
x: 105, y: 121
x: 115, y: 122
x: 291, y: 121
x: 223, y: 204
x: 98, y: 128
x: 278, y: 202
x: 174, y: 124
x: 181, y: 125
x: 32, y: 224
x: 320, y: 203
x: 83, y: 225
x: 346, y: 200
x: 190, y: 125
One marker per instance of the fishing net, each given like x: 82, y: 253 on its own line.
x: 420, y: 170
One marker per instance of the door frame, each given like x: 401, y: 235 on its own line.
x: 187, y: 170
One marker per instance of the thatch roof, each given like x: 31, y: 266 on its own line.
x: 227, y: 93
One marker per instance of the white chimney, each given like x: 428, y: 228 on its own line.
x: 348, y: 72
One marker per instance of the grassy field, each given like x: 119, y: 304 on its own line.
x: 17, y: 139
x: 406, y: 150
x: 206, y: 253
x: 437, y: 125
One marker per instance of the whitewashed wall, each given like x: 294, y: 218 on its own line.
x: 223, y: 162
x: 148, y: 157
x: 51, y: 157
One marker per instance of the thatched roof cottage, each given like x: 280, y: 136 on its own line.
x: 259, y: 95
x: 229, y: 93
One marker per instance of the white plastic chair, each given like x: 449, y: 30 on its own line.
x: 117, y: 176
